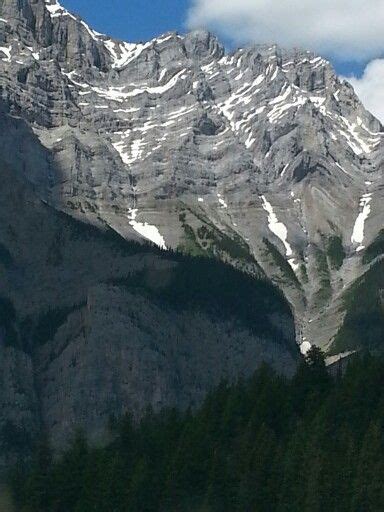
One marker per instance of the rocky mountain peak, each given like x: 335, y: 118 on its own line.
x: 262, y: 158
x: 201, y: 44
x: 175, y: 141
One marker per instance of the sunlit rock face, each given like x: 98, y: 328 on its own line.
x: 262, y: 157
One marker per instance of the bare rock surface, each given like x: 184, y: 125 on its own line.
x: 262, y: 157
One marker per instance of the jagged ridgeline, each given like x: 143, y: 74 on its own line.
x: 93, y: 326
x: 262, y: 157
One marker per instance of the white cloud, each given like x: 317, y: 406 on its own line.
x: 345, y: 29
x: 370, y: 87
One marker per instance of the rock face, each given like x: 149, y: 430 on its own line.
x: 263, y: 157
x: 93, y: 326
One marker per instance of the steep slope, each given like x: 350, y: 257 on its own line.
x: 260, y: 445
x: 92, y: 326
x: 262, y: 157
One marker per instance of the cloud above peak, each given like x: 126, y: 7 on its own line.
x: 343, y: 29
x: 370, y: 88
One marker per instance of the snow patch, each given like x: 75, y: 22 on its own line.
x: 358, y: 230
x: 131, y: 155
x: 221, y: 201
x: 163, y: 72
x: 165, y: 38
x: 7, y: 52
x: 259, y: 110
x: 118, y: 94
x: 355, y: 140
x: 318, y: 100
x: 282, y: 97
x: 112, y: 93
x: 123, y: 53
x: 126, y: 110
x: 95, y: 35
x: 280, y: 230
x: 55, y: 9
x: 175, y: 114
x: 250, y: 141
x: 342, y: 168
x: 209, y: 67
x: 285, y: 169
x: 159, y: 89
x: 333, y: 136
x: 305, y: 347
x: 274, y: 75
x: 146, y: 230
x: 281, y: 106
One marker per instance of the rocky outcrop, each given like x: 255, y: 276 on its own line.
x: 262, y: 157
x: 93, y: 326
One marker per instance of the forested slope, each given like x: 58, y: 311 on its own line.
x: 313, y: 443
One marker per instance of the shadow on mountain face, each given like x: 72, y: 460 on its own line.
x: 22, y: 151
x: 93, y: 326
x: 96, y: 326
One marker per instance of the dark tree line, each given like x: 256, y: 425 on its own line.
x: 314, y: 443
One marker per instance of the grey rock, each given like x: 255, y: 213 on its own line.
x: 85, y: 345
x: 258, y: 157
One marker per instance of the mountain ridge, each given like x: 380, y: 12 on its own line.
x: 263, y: 149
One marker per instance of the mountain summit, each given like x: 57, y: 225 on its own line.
x: 263, y: 158
x: 176, y: 142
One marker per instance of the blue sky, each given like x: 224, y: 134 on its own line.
x: 349, y: 33
x: 137, y: 20
x: 131, y: 20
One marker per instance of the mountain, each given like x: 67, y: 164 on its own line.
x: 262, y: 158
x: 93, y: 326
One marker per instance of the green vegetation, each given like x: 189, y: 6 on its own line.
x: 71, y: 229
x: 5, y: 256
x: 55, y: 250
x: 304, y: 273
x: 234, y: 247
x: 375, y: 249
x: 205, y: 283
x: 49, y: 322
x: 314, y: 443
x: 281, y: 262
x: 217, y: 289
x: 363, y: 324
x: 190, y: 244
x: 335, y: 251
x: 210, y: 241
x: 322, y: 263
x: 325, y: 291
x: 8, y: 333
x: 15, y: 437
